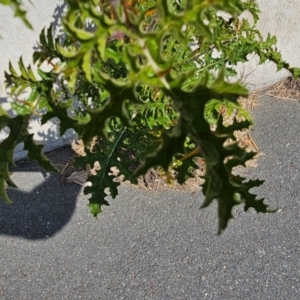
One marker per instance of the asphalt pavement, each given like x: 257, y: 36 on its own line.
x: 157, y: 245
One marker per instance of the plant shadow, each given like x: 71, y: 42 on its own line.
x: 43, y: 211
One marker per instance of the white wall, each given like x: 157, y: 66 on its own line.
x: 17, y: 40
x: 281, y: 18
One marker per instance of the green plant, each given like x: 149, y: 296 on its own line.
x: 149, y: 99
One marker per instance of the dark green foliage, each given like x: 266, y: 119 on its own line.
x: 18, y: 133
x: 123, y: 152
x: 129, y: 77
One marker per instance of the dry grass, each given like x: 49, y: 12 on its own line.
x: 286, y: 89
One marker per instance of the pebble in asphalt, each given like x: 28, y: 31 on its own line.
x: 157, y: 245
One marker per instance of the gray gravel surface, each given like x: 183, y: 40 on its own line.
x: 157, y: 245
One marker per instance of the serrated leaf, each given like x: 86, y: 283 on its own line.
x: 258, y: 205
x: 12, y: 70
x: 123, y: 152
x: 35, y: 153
x: 50, y: 38
x: 101, y: 46
x: 31, y: 74
x: 17, y: 134
x: 23, y: 69
x: 3, y: 193
x: 81, y: 35
x: 86, y: 65
x: 16, y: 126
x: 60, y: 111
x: 172, y: 143
x: 107, y: 156
x: 67, y: 53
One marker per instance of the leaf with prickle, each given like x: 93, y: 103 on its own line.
x: 187, y: 165
x: 35, y: 153
x: 172, y: 143
x: 108, y: 155
x: 18, y: 134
